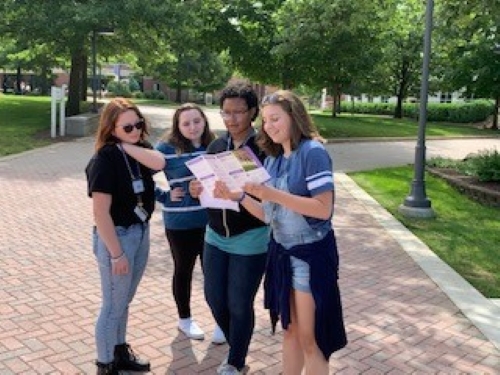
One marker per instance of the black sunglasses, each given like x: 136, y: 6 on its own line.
x: 139, y: 125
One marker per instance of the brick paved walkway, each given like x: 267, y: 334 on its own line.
x: 398, y: 320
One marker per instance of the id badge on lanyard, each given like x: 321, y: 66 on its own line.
x: 137, y: 187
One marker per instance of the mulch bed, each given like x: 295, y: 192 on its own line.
x: 487, y: 193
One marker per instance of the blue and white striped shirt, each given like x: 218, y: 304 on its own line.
x: 310, y: 172
x: 187, y: 213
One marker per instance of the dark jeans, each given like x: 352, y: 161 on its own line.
x: 231, y: 283
x: 186, y: 246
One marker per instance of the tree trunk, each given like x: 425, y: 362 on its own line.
x: 46, y: 80
x: 286, y: 81
x: 178, y: 92
x: 398, y: 112
x: 339, y: 100
x: 286, y: 77
x: 404, y: 78
x: 84, y: 78
x: 496, y: 114
x: 75, y: 82
x: 18, y: 80
x: 336, y: 99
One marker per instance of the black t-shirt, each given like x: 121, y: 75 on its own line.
x: 107, y: 173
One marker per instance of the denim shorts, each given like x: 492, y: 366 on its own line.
x: 300, y: 275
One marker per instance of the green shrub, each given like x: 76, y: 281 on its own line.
x: 138, y: 95
x: 119, y: 89
x: 157, y: 95
x: 485, y: 165
x: 440, y: 162
x: 469, y: 112
x: 367, y: 108
x: 133, y: 85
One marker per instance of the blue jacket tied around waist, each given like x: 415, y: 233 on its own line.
x: 321, y: 256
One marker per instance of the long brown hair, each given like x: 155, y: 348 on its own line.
x: 302, y: 126
x: 109, y: 116
x: 175, y: 137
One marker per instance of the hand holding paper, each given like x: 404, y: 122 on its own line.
x: 234, y: 168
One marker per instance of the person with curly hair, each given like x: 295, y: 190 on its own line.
x: 235, y: 241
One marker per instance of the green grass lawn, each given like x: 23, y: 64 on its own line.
x: 22, y: 122
x: 25, y: 123
x: 464, y: 234
x: 351, y: 126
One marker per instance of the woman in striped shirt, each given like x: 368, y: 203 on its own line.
x: 185, y: 220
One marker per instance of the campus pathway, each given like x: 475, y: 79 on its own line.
x: 398, y: 320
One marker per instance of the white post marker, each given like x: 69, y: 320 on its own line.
x: 323, y: 98
x: 57, y: 95
x: 62, y: 111
x: 53, y: 107
x: 208, y: 99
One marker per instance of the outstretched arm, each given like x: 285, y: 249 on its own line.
x: 319, y: 206
x: 251, y: 205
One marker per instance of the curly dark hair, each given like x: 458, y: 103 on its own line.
x: 243, y: 90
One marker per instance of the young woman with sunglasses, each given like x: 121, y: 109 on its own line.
x: 302, y: 270
x: 121, y: 186
x: 235, y: 242
x: 184, y: 219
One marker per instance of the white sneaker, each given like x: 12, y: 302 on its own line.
x: 218, y: 337
x: 191, y: 329
x: 227, y: 369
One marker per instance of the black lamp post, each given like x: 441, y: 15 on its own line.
x: 416, y: 203
x: 496, y: 50
x: 94, y: 64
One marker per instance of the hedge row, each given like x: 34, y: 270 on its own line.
x: 469, y: 112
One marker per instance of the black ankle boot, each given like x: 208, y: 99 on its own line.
x: 125, y: 359
x: 106, y: 368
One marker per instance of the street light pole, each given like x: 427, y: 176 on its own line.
x: 416, y: 203
x: 94, y: 74
x: 95, y: 32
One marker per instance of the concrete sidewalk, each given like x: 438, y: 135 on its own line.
x: 399, y: 319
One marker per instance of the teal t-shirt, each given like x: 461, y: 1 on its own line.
x: 251, y: 242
